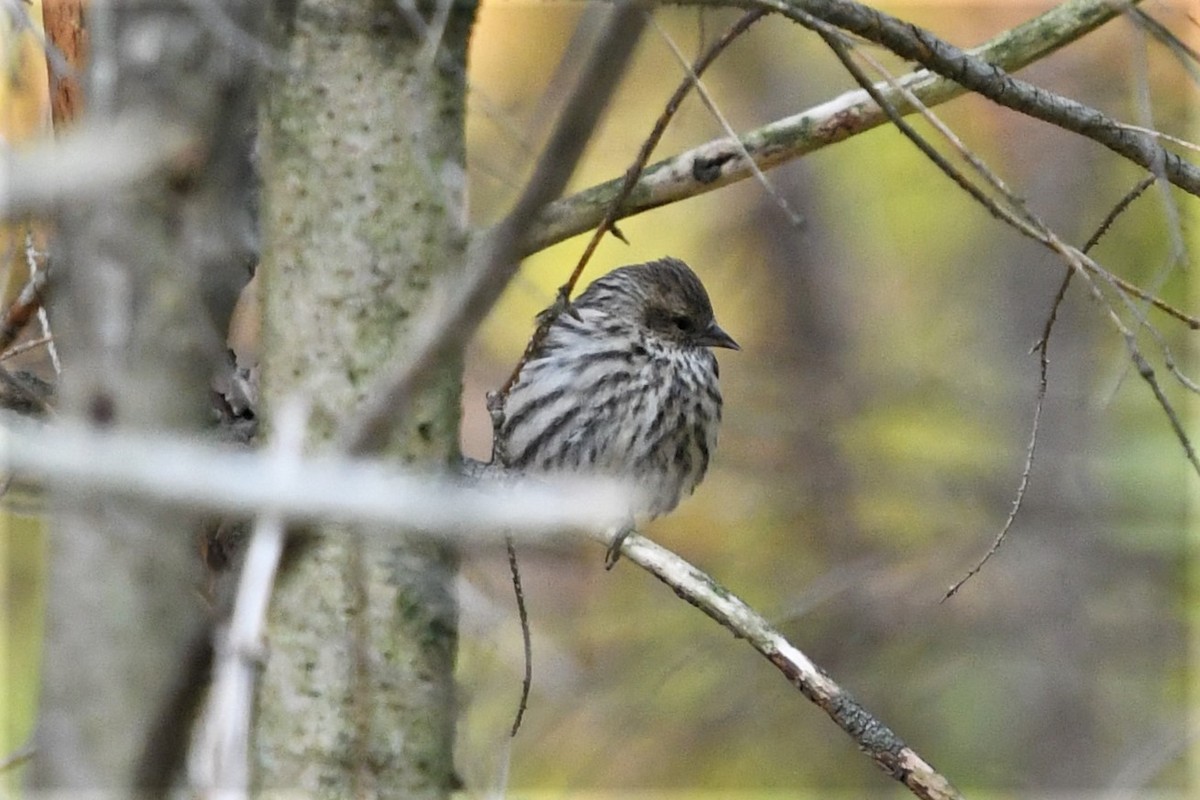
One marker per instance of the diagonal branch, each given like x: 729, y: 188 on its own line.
x: 721, y: 162
x: 991, y: 81
x: 871, y: 735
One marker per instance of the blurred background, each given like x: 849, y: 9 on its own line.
x: 876, y: 426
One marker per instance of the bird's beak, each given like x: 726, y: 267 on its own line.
x: 714, y: 336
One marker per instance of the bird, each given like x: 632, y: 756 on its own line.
x: 624, y: 384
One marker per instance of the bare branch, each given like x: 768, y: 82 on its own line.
x: 720, y: 162
x: 1014, y: 212
x: 526, y: 635
x: 23, y: 308
x: 25, y: 347
x: 36, y: 263
x: 1042, y: 348
x: 991, y: 81
x: 871, y: 735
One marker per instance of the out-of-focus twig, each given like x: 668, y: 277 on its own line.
x: 213, y: 478
x: 219, y: 766
x: 16, y: 758
x: 93, y: 161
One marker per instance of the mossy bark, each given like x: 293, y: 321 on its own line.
x: 360, y: 221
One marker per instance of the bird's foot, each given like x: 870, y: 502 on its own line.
x: 614, y: 547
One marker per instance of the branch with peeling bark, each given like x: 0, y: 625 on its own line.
x: 720, y: 162
x: 991, y: 81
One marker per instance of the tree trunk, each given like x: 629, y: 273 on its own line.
x: 361, y: 130
x: 145, y: 279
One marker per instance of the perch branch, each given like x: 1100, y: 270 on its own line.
x: 872, y: 736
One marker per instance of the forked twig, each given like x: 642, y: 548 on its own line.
x: 38, y: 266
x: 23, y: 308
x: 988, y: 80
x: 25, y: 347
x: 781, y: 202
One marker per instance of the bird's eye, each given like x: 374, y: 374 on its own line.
x: 683, y: 323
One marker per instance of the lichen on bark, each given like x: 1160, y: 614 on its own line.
x: 359, y: 224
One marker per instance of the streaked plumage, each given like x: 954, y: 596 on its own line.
x: 627, y: 386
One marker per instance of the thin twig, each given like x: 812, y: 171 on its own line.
x: 495, y: 259
x: 23, y: 308
x: 25, y: 347
x: 1029, y: 224
x: 781, y: 202
x: 1157, y: 134
x: 999, y: 185
x: 526, y: 636
x: 1188, y: 58
x: 628, y: 183
x: 1024, y: 221
x: 1043, y: 348
x: 18, y: 757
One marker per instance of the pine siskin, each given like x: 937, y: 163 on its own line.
x: 624, y: 384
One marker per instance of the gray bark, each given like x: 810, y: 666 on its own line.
x: 359, y: 222
x: 145, y: 280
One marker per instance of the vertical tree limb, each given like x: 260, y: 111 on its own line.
x: 356, y: 694
x: 130, y: 268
